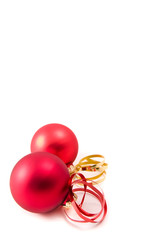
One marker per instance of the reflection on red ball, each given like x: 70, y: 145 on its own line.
x: 57, y: 139
x: 39, y: 182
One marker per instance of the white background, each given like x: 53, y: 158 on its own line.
x: 95, y: 67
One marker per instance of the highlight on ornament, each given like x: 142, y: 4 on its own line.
x: 46, y: 178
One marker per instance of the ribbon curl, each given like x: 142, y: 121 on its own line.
x: 87, y: 188
x: 89, y: 164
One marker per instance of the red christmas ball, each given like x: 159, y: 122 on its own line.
x: 57, y: 139
x: 39, y: 182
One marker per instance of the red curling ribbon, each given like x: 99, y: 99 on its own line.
x: 87, y: 188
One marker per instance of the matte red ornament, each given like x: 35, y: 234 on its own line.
x: 56, y: 139
x: 39, y: 182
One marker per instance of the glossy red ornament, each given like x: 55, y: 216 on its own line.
x: 57, y: 139
x: 39, y: 182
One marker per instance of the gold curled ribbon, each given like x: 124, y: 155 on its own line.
x: 89, y: 164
